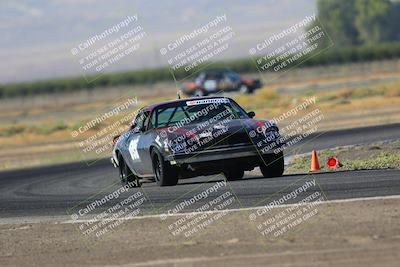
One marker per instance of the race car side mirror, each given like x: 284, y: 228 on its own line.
x: 251, y: 114
x: 142, y: 129
x: 135, y: 128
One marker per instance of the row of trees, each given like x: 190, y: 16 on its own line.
x: 331, y: 56
x: 360, y: 22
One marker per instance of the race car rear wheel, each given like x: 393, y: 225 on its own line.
x: 244, y: 89
x: 125, y: 174
x: 234, y: 175
x: 273, y: 165
x: 164, y: 173
x: 199, y: 92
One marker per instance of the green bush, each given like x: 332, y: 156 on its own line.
x: 12, y: 130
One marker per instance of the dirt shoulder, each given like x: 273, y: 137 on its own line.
x: 351, y: 233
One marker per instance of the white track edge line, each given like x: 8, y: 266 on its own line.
x: 232, y: 210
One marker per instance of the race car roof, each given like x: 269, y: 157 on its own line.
x: 155, y: 105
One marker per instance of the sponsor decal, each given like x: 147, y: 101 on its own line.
x: 207, y: 101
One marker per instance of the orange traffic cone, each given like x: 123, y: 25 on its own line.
x: 314, y: 161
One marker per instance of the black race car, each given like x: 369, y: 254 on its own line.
x: 185, y: 138
x: 219, y: 80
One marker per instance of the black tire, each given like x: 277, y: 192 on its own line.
x: 164, y: 173
x: 244, y: 89
x: 199, y: 92
x: 125, y: 174
x: 234, y: 175
x: 273, y: 166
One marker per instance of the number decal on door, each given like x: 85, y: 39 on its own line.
x: 133, y: 149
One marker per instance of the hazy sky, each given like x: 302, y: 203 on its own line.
x: 37, y: 36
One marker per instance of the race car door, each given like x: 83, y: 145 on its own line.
x: 135, y: 140
x: 143, y: 147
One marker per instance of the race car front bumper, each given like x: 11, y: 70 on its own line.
x: 224, y: 153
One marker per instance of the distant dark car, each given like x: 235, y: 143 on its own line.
x: 185, y: 138
x: 216, y: 81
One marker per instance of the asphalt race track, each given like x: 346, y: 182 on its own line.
x: 53, y: 190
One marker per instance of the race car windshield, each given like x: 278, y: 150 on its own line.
x: 196, y: 111
x: 233, y: 76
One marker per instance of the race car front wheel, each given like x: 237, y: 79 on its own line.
x: 164, y: 173
x: 125, y: 174
x: 273, y: 165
